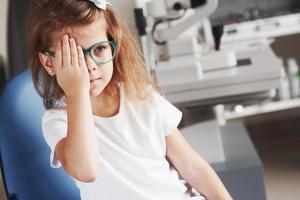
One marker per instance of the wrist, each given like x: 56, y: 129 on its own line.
x: 78, y: 95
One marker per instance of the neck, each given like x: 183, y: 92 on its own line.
x: 104, y: 105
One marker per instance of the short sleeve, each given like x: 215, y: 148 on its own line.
x: 54, y: 126
x: 169, y: 115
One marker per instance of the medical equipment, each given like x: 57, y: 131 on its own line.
x: 178, y: 55
x: 179, y: 48
x: 189, y: 71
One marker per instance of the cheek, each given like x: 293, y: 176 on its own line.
x: 108, y: 70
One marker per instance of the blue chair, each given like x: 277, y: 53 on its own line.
x: 24, y: 152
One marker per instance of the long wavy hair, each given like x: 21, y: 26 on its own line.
x: 48, y: 17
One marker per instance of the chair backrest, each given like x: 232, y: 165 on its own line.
x: 24, y: 152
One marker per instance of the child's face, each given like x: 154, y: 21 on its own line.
x: 86, y: 36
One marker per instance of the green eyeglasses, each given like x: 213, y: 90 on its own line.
x: 100, y: 53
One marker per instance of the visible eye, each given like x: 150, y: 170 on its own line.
x: 99, y: 49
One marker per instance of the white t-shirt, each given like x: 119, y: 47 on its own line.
x: 132, y: 151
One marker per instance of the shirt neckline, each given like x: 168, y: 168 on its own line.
x: 120, y: 107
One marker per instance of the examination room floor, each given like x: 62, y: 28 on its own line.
x: 276, y: 137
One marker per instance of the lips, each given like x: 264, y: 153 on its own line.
x: 93, y: 80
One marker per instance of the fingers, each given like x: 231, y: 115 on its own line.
x: 74, y: 53
x: 81, y: 59
x: 57, y: 61
x: 66, y: 61
x: 68, y: 54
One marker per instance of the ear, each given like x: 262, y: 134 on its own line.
x: 47, y: 63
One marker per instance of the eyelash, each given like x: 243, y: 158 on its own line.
x: 102, y: 48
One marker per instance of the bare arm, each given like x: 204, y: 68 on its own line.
x: 194, y: 169
x: 78, y: 151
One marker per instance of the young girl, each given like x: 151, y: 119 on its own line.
x: 106, y: 123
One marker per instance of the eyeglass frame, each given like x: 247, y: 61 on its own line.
x: 88, y: 51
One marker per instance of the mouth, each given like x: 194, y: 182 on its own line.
x: 93, y: 80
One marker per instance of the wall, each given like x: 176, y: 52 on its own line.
x: 125, y: 10
x: 3, y: 30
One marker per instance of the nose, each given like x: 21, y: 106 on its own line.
x: 91, y: 65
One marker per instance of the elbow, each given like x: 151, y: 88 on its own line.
x: 85, y: 174
x: 193, y: 171
x: 87, y: 178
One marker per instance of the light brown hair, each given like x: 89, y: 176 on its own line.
x: 47, y: 17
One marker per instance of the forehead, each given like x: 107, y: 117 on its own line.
x: 87, y: 35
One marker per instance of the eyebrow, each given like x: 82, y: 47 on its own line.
x: 100, y: 40
x: 95, y: 43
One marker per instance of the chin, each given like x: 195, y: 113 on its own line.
x: 95, y: 92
